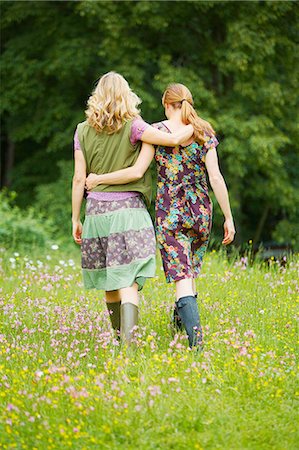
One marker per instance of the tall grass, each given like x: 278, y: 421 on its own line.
x: 66, y: 383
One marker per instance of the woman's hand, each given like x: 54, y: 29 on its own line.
x: 229, y: 231
x: 77, y: 232
x: 92, y: 181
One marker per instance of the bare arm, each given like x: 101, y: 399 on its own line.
x: 220, y: 190
x: 154, y: 136
x: 127, y: 175
x: 77, y: 194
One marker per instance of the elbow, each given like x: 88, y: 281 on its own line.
x: 176, y: 141
x: 216, y: 179
x: 78, y: 180
x: 138, y: 174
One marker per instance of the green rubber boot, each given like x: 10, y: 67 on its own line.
x: 114, y: 314
x: 128, y: 320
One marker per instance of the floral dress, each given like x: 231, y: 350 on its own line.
x: 183, y: 207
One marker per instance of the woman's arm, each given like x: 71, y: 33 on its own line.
x: 127, y: 175
x: 154, y: 136
x: 77, y: 195
x: 219, y: 187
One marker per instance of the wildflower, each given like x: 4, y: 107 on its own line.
x: 39, y: 373
x: 54, y: 247
x: 154, y: 390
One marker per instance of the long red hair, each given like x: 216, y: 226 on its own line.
x: 180, y: 97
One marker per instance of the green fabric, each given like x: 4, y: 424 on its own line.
x: 112, y: 278
x: 105, y: 153
x: 98, y: 226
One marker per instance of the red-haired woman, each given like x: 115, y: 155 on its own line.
x: 183, y: 206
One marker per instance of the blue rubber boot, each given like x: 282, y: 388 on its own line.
x: 176, y: 320
x: 188, y: 312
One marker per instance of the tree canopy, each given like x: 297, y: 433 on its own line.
x: 239, y: 60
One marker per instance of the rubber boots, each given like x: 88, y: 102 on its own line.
x: 188, y: 312
x: 114, y: 314
x: 176, y: 320
x: 128, y: 320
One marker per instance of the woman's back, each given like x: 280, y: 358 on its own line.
x: 106, y: 152
x: 183, y: 164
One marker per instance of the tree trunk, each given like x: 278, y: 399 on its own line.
x: 261, y: 224
x: 7, y: 163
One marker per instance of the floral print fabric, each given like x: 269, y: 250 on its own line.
x: 183, y: 207
x: 118, y: 244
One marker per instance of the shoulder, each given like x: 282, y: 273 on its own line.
x: 82, y: 126
x: 159, y: 125
x: 138, y: 122
x: 138, y: 126
x: 78, y: 135
x: 211, y: 141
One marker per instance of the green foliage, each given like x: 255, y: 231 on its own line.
x: 54, y: 200
x: 20, y: 229
x: 287, y: 231
x: 239, y: 62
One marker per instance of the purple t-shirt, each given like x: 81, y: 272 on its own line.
x: 137, y: 129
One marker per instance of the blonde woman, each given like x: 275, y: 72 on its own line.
x: 183, y: 206
x: 117, y: 239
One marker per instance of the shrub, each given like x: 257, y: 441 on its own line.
x: 54, y: 200
x: 21, y: 229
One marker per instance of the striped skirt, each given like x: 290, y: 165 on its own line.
x: 118, y: 244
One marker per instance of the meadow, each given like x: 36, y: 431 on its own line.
x: 65, y: 382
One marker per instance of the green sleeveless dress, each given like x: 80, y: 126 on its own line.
x: 118, y: 240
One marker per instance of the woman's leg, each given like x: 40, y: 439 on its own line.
x: 129, y: 311
x: 184, y: 288
x: 113, y: 306
x: 129, y: 294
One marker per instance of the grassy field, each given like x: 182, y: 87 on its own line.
x: 66, y: 383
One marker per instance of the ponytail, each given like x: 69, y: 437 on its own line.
x: 201, y: 127
x: 180, y: 97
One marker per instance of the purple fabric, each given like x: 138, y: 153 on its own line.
x: 111, y: 196
x: 77, y: 145
x: 94, y: 208
x: 137, y: 130
x: 118, y: 249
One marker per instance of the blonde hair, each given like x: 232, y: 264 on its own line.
x: 111, y: 104
x: 180, y: 97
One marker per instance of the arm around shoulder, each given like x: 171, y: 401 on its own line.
x: 154, y: 136
x: 127, y: 175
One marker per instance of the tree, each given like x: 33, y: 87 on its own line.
x: 238, y: 59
